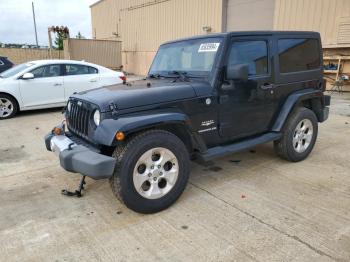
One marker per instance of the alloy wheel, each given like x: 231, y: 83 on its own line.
x: 302, y: 135
x: 6, y: 107
x: 155, y: 173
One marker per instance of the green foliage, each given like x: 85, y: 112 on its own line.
x: 59, y: 40
x: 79, y: 36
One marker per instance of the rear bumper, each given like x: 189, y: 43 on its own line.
x: 327, y: 100
x: 325, y: 111
x: 324, y: 114
x: 80, y: 159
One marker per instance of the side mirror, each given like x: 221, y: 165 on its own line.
x: 237, y: 72
x: 27, y: 76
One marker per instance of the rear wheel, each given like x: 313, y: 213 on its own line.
x: 299, y: 135
x: 152, y: 171
x: 8, y: 106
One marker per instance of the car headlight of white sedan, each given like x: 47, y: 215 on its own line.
x: 97, y: 117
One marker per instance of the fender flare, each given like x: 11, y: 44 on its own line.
x: 105, y: 132
x: 291, y: 102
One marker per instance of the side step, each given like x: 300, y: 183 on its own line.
x: 220, y: 151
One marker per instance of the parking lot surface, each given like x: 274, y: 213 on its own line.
x: 250, y: 206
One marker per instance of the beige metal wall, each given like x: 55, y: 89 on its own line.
x: 143, y: 25
x: 249, y: 14
x: 329, y: 17
x: 102, y: 52
x: 21, y: 55
x: 105, y: 17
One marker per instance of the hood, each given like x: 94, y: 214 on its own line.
x: 138, y: 93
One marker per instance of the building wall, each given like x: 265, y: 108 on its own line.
x: 329, y: 17
x: 142, y: 25
x: 102, y: 52
x: 104, y: 19
x: 249, y: 15
x: 22, y: 55
x: 145, y: 24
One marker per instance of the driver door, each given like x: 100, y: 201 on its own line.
x: 247, y: 107
x: 45, y: 89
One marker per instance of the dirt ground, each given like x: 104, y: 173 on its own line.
x: 247, y: 206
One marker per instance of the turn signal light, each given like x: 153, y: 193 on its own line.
x: 120, y: 136
x: 57, y: 131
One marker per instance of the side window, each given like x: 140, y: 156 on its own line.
x: 47, y: 71
x: 252, y: 53
x: 80, y: 70
x: 298, y: 55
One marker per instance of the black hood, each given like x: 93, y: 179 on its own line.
x: 138, y: 93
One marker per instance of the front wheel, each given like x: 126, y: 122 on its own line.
x: 299, y: 135
x: 8, y: 107
x: 152, y: 171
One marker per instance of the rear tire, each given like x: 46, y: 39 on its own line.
x: 152, y: 171
x: 8, y: 107
x: 299, y: 135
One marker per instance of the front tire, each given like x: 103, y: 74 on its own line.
x: 299, y: 135
x: 152, y: 171
x: 8, y: 107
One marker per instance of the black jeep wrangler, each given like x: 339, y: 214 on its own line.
x: 204, y: 97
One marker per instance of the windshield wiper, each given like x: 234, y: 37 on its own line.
x: 154, y: 76
x: 181, y: 75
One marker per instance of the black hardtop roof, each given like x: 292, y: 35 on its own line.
x: 251, y: 33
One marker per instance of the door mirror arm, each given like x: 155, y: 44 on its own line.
x: 228, y: 85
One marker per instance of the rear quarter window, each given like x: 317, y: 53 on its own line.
x: 74, y: 69
x: 93, y: 70
x: 298, y: 54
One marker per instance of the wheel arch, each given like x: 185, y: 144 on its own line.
x: 175, y: 123
x: 309, y: 98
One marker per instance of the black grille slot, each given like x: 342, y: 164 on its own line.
x: 78, y: 118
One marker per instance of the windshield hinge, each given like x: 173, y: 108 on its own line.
x: 113, y: 108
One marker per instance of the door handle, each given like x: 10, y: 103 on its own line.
x: 267, y: 86
x: 57, y: 84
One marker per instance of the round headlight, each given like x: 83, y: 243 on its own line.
x: 97, y: 117
x: 69, y: 105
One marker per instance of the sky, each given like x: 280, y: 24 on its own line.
x: 16, y: 19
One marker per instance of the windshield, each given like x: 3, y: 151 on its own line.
x: 193, y: 57
x: 15, y: 70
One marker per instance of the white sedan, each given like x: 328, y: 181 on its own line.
x: 49, y: 83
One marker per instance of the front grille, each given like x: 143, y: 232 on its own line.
x: 78, y: 118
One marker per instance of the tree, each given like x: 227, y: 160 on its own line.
x: 59, y: 39
x: 79, y: 36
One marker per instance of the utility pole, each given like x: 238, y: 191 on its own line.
x: 36, y: 34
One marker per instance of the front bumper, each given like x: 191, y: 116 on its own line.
x: 80, y: 159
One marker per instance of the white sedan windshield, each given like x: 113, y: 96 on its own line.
x: 15, y: 70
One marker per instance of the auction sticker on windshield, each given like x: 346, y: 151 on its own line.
x: 208, y: 47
